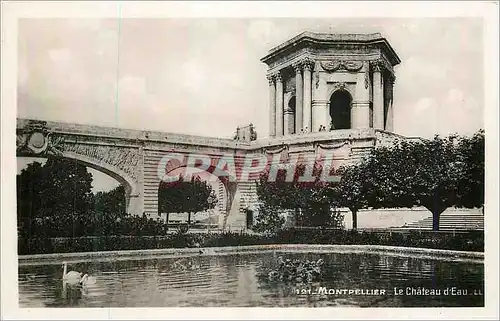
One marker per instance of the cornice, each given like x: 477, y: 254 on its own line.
x: 346, y: 41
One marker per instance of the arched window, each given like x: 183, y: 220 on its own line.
x: 340, y: 110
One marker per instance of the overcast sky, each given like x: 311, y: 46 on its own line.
x: 204, y: 76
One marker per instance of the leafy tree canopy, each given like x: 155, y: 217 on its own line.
x: 183, y: 196
x: 434, y: 173
x: 308, y: 199
x: 56, y: 196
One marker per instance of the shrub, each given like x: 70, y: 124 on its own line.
x: 268, y: 220
x: 467, y: 241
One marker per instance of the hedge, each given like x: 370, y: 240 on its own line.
x: 465, y: 241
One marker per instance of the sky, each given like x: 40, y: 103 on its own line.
x: 204, y: 76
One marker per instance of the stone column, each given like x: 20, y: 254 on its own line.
x: 307, y: 124
x: 279, y: 105
x: 134, y: 205
x: 378, y: 99
x: 288, y: 121
x: 272, y: 106
x: 389, y: 125
x: 299, y: 97
x: 135, y: 200
x: 360, y: 112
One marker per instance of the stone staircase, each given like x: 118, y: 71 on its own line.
x: 450, y: 222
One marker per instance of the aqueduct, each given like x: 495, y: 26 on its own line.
x: 327, y: 92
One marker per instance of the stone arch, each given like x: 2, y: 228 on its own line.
x: 132, y: 190
x: 292, y: 113
x: 291, y: 103
x: 342, y: 87
x: 230, y: 186
x: 340, y: 104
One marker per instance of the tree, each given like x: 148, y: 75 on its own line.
x: 353, y: 188
x: 186, y: 196
x: 268, y: 221
x: 29, y: 190
x: 309, y: 200
x: 434, y: 173
x: 67, y: 197
x: 470, y: 168
x: 112, y: 201
x: 109, y: 208
x: 55, y: 197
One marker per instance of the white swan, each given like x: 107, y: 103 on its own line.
x: 86, y: 280
x: 71, y: 277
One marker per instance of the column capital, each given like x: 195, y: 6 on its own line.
x: 271, y: 78
x: 297, y: 67
x: 376, y: 65
x: 382, y: 65
x: 307, y: 64
x: 278, y: 77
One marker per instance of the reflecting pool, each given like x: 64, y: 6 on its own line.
x: 240, y: 280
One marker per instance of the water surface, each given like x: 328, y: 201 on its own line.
x: 240, y: 281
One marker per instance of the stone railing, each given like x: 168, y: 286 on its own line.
x: 132, y: 134
x: 339, y: 134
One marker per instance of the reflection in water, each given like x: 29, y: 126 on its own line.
x: 241, y: 280
x: 70, y: 293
